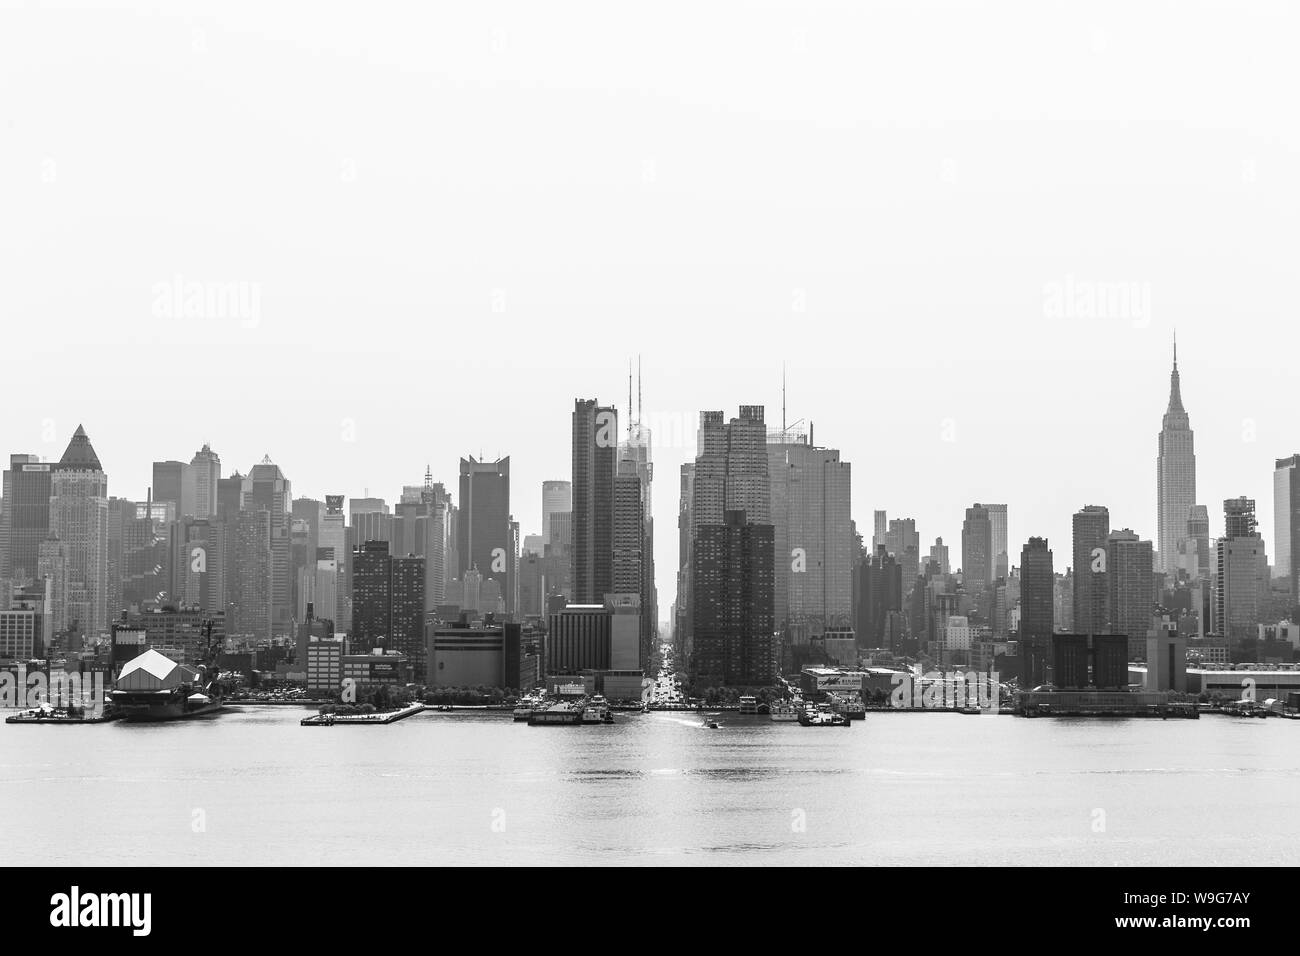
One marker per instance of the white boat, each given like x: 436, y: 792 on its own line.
x: 748, y: 705
x: 524, y: 709
x: 785, y: 711
x: 597, y: 711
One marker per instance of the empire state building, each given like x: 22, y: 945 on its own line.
x: 1175, y: 475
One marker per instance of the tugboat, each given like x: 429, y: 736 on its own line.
x: 597, y: 711
x: 524, y: 708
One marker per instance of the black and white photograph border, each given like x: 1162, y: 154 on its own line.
x: 593, y: 399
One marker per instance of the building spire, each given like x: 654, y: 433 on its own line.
x: 1175, y: 392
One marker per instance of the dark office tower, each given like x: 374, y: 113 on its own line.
x: 169, y: 484
x: 120, y: 511
x: 880, y: 592
x: 267, y: 489
x: 595, y: 458
x: 371, y: 595
x: 79, y: 519
x: 406, y: 617
x: 249, y: 582
x: 1130, y: 578
x: 1091, y: 590
x: 230, y: 497
x: 977, y: 548
x: 730, y: 476
x: 733, y: 594
x: 532, y: 578
x: 388, y: 601
x: 1037, y: 590
x: 26, y: 515
x: 484, y: 531
x: 1175, y: 475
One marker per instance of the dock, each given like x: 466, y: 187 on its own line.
x: 376, y: 719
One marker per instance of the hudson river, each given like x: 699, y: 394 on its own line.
x: 251, y: 786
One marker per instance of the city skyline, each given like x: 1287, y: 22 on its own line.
x: 667, y: 442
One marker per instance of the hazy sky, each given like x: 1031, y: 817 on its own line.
x: 449, y: 220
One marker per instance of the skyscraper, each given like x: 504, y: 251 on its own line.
x: 1000, y: 556
x: 685, y: 533
x: 1091, y: 591
x: 595, y: 460
x: 557, y: 497
x: 267, y: 489
x: 1286, y: 522
x: 388, y: 595
x: 79, y: 519
x: 1130, y: 579
x: 977, y: 548
x: 1175, y: 476
x: 484, y: 526
x: 173, y: 481
x: 249, y: 581
x: 880, y: 592
x: 629, y: 530
x: 810, y: 508
x: 1241, y: 579
x: 939, y: 555
x: 206, y: 470
x: 333, y: 538
x: 1037, y: 590
x: 731, y: 468
x: 26, y: 514
x: 732, y: 598
x: 733, y: 593
x: 1197, y: 545
x: 634, y: 456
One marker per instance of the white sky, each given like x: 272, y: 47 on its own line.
x: 672, y: 179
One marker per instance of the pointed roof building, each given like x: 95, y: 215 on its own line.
x: 80, y: 454
x: 1175, y: 475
